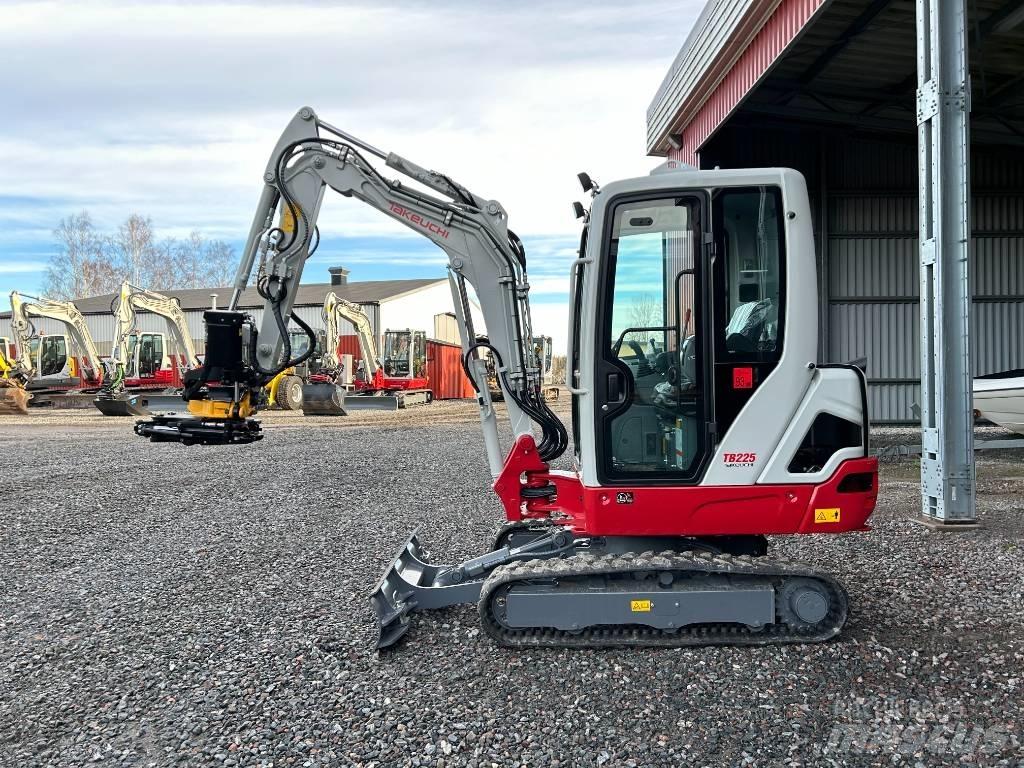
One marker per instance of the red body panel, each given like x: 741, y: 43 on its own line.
x: 696, y: 510
x: 389, y: 384
x: 162, y: 379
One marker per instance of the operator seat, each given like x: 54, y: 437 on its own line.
x: 748, y: 325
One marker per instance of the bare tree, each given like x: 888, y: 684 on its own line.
x: 80, y: 267
x: 200, y: 263
x: 136, y: 254
x: 221, y: 263
x: 645, y: 312
x: 87, y: 263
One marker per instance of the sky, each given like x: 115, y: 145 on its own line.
x: 170, y: 110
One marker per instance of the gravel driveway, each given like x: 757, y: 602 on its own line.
x: 162, y: 605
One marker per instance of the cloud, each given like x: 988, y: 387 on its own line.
x: 171, y: 109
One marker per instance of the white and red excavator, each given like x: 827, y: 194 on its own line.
x: 143, y: 368
x: 397, y: 381
x: 701, y: 421
x: 53, y: 367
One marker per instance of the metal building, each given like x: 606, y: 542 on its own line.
x: 843, y: 90
x: 829, y: 89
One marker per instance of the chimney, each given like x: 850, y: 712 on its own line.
x: 213, y: 301
x: 339, y: 275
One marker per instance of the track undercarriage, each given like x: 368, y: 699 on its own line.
x: 541, y: 586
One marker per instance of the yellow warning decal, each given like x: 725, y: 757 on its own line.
x: 288, y: 218
x: 826, y: 515
x: 640, y: 606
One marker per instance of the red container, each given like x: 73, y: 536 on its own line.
x: 444, y: 367
x: 349, y: 345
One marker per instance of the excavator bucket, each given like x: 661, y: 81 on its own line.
x: 410, y: 583
x: 372, y: 403
x: 13, y: 399
x: 121, y: 405
x: 323, y: 399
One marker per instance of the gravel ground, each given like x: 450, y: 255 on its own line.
x: 162, y: 605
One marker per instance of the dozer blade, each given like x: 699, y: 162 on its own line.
x: 371, y: 403
x: 121, y: 405
x: 14, y: 400
x: 323, y: 400
x: 410, y: 583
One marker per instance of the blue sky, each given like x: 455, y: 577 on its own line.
x: 170, y: 110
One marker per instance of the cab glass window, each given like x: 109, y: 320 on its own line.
x: 749, y: 274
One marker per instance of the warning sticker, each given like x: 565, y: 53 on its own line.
x: 640, y: 606
x: 826, y: 515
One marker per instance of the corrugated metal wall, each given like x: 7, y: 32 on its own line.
x: 444, y: 369
x: 872, y: 227
x: 868, y: 267
x: 446, y: 328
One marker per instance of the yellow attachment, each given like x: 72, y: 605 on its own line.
x: 13, y: 397
x: 221, y: 409
x: 272, y: 386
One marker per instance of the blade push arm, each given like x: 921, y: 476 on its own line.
x: 63, y: 311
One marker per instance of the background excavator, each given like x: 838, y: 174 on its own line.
x: 396, y: 382
x: 543, y: 350
x: 701, y: 421
x: 141, y: 365
x: 56, y: 368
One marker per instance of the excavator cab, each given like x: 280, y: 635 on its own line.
x: 50, y: 354
x: 405, y: 354
x: 145, y: 355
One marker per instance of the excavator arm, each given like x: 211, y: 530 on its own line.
x: 130, y: 300
x: 310, y: 157
x: 22, y: 312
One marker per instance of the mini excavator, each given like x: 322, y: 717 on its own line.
x: 136, y: 370
x: 701, y: 422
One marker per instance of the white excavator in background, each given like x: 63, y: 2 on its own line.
x: 702, y: 424
x: 141, y: 365
x: 397, y: 382
x: 58, y: 367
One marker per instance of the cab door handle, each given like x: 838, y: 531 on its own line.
x: 616, y: 392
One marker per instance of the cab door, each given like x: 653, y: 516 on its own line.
x: 651, y: 391
x: 150, y: 355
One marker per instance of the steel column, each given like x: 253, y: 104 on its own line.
x: 943, y: 106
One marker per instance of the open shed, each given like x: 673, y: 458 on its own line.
x: 829, y: 88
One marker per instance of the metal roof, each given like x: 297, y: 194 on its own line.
x: 719, y: 32
x: 849, y: 62
x: 313, y: 294
x: 856, y: 66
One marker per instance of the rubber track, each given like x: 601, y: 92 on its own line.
x: 592, y: 565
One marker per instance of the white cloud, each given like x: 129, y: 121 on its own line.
x: 171, y: 109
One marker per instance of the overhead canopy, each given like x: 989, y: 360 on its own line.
x: 849, y: 63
